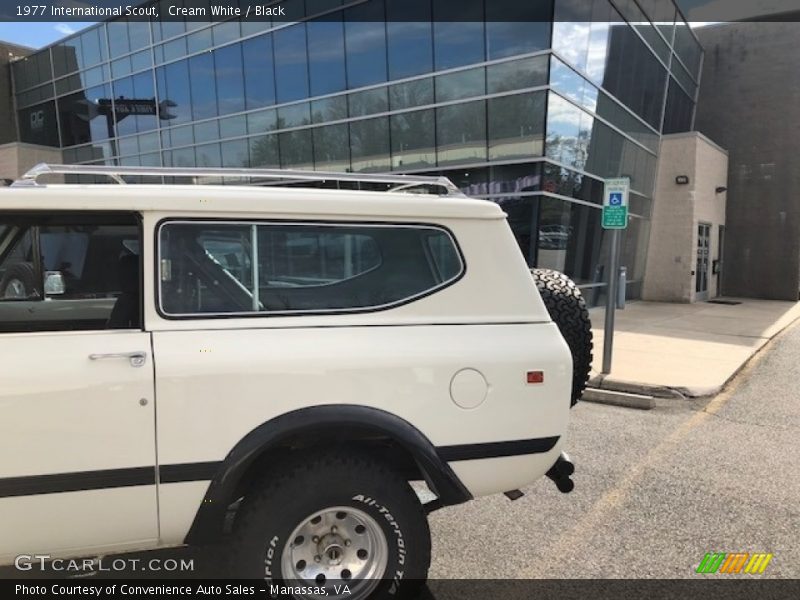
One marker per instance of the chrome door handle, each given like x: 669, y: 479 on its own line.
x: 138, y: 359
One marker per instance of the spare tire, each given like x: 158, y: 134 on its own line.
x: 568, y: 309
x: 19, y: 282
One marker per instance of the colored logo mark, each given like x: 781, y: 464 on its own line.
x: 734, y: 563
x: 615, y: 199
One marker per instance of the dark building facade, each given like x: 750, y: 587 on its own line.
x: 529, y: 104
x: 8, y: 121
x: 749, y: 104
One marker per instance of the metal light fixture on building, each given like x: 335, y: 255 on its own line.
x: 721, y: 189
x: 682, y: 179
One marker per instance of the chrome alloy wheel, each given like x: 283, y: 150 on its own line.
x: 338, y: 545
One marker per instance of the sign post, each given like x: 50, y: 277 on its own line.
x: 615, y: 218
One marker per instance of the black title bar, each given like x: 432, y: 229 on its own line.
x: 285, y: 11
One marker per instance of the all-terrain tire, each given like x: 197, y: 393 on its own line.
x: 276, y: 524
x: 568, y: 309
x: 23, y: 278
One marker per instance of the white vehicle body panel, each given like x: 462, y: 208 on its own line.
x: 63, y: 413
x: 211, y: 381
x: 202, y: 414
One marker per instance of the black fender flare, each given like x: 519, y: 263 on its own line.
x: 209, y: 520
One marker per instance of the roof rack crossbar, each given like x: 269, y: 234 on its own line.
x: 282, y: 175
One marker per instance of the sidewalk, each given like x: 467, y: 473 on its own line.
x: 690, y: 350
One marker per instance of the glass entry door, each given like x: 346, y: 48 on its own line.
x: 703, y: 253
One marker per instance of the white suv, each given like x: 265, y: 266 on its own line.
x: 293, y: 356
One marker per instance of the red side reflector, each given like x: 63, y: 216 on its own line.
x: 535, y: 376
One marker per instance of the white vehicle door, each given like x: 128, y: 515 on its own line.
x: 77, y: 438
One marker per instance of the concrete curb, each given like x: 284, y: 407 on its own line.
x: 623, y: 399
x: 606, y: 383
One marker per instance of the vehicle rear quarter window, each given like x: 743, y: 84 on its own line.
x: 225, y: 268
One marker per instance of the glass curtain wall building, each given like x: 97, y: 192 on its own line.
x: 531, y: 111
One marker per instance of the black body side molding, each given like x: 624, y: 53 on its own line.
x: 351, y: 422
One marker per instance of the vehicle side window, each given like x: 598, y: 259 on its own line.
x: 445, y: 257
x: 305, y: 257
x: 232, y: 268
x: 69, y: 272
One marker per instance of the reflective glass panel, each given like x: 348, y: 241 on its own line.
x: 634, y: 15
x: 264, y: 151
x: 332, y: 148
x: 458, y: 33
x: 369, y: 144
x: 174, y: 91
x: 121, y: 67
x: 93, y: 43
x: 208, y: 155
x: 259, y: 74
x: 225, y: 32
x: 517, y: 74
x: 461, y: 84
x: 262, y: 121
x: 203, y: 86
x: 679, y: 111
x: 413, y: 140
x: 85, y: 116
x: 571, y: 27
x: 134, y: 104
x: 295, y: 115
x: 326, y: 56
x: 410, y: 94
x: 687, y: 83
x: 235, y: 154
x: 569, y: 239
x: 138, y: 34
x: 296, y: 149
x: 172, y: 50
x: 141, y: 60
x: 65, y: 60
x: 461, y: 132
x: 229, y: 79
x: 514, y: 27
x: 516, y: 126
x: 572, y: 85
x: 568, y: 132
x: 291, y: 63
x: 368, y: 102
x: 365, y: 41
x: 329, y: 109
x: 206, y: 132
x: 33, y: 70
x: 233, y: 126
x: 118, y: 40
x: 182, y: 136
x: 688, y: 48
x: 200, y: 40
x: 183, y: 157
x: 409, y: 37
x: 632, y: 74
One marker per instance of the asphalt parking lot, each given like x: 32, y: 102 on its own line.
x: 655, y: 491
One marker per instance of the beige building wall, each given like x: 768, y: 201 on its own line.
x: 18, y: 157
x: 678, y: 210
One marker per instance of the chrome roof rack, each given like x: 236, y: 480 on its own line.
x: 280, y: 176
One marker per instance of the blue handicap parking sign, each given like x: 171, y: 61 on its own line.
x: 615, y: 199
